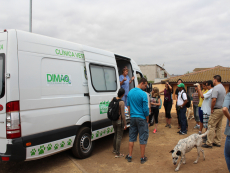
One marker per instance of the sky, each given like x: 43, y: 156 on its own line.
x: 181, y: 34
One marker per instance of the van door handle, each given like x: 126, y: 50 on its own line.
x: 86, y: 94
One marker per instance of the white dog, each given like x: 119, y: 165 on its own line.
x: 186, y: 145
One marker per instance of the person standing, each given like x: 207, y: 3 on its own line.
x: 215, y: 120
x: 120, y: 125
x: 181, y: 106
x: 178, y: 111
x: 205, y: 90
x: 195, y: 107
x: 226, y: 110
x: 206, y: 105
x: 139, y: 113
x: 155, y: 103
x: 124, y: 82
x: 167, y: 103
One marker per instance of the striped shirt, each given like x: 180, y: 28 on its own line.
x: 195, y: 99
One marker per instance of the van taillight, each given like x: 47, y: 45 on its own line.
x: 13, y: 125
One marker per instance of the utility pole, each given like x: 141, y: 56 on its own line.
x: 30, y: 19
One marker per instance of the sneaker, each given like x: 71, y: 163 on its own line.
x: 216, y: 145
x: 129, y: 158
x: 155, y: 130
x: 143, y: 160
x: 206, y: 146
x: 169, y: 125
x: 166, y: 125
x: 182, y: 133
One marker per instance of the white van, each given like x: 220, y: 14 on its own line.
x: 54, y: 95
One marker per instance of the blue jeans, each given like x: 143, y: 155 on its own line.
x: 201, y: 115
x: 124, y: 98
x: 227, y: 152
x: 183, y: 119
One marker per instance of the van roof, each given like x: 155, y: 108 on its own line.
x: 46, y: 40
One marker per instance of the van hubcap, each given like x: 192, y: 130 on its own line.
x: 85, y: 143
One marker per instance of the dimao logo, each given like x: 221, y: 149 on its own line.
x: 57, y: 79
x: 1, y: 47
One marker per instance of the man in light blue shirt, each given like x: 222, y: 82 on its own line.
x: 139, y: 112
x: 124, y: 82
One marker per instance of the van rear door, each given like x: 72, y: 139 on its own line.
x: 103, y: 83
x: 3, y: 49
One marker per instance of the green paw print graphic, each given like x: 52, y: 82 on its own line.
x: 49, y: 147
x: 111, y: 130
x: 56, y: 146
x: 62, y: 144
x: 97, y: 134
x: 104, y: 131
x: 92, y: 136
x: 33, y: 151
x: 108, y: 130
x: 101, y: 133
x: 69, y: 142
x: 41, y: 150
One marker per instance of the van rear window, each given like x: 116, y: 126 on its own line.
x: 2, y: 75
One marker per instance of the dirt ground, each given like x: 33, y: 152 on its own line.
x: 157, y: 151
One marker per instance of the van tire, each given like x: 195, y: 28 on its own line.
x: 83, y: 146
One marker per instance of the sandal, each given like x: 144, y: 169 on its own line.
x: 119, y: 156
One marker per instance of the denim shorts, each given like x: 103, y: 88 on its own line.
x: 138, y: 125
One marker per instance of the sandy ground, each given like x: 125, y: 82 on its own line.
x: 157, y: 151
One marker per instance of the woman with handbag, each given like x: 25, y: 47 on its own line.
x: 167, y: 103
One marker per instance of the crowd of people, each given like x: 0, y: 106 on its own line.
x: 210, y: 104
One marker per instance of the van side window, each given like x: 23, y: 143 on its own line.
x: 103, y: 78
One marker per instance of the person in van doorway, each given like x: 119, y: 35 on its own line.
x: 195, y: 107
x: 204, y: 91
x: 167, y: 103
x: 181, y: 106
x: 155, y: 103
x: 139, y: 113
x: 124, y: 82
x: 178, y: 111
x: 226, y: 110
x: 119, y: 126
x: 215, y: 119
x: 206, y: 105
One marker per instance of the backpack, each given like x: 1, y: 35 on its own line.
x: 188, y: 104
x: 160, y: 101
x: 113, y: 110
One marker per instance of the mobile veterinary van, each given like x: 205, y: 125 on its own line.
x: 54, y: 95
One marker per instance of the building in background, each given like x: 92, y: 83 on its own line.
x: 195, y: 77
x: 154, y: 72
x: 200, y: 76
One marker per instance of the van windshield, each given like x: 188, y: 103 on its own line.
x: 2, y: 75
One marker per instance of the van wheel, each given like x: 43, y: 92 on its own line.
x: 82, y: 147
